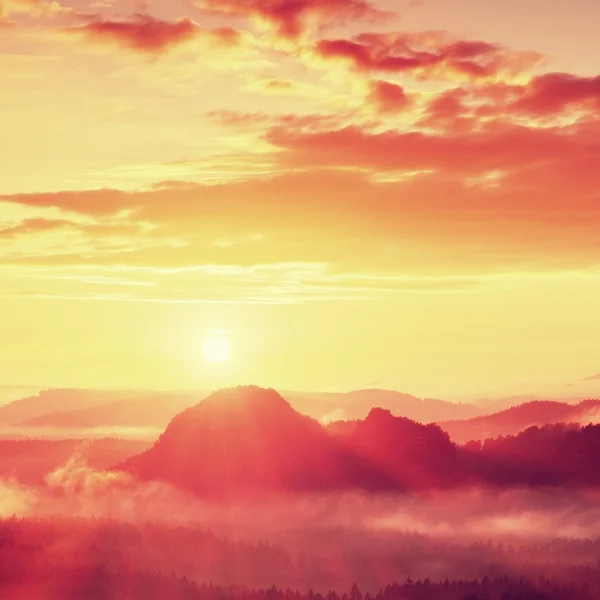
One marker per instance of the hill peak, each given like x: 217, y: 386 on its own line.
x: 238, y: 403
x: 250, y: 396
x: 246, y: 439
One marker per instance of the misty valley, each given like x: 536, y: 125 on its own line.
x: 244, y: 497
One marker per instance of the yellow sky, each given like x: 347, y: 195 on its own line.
x: 354, y: 198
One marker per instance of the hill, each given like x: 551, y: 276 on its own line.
x: 413, y: 455
x: 64, y: 399
x: 557, y: 455
x: 148, y: 411
x: 518, y: 418
x: 250, y: 440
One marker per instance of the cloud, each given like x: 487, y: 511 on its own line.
x: 274, y: 283
x: 147, y: 34
x: 89, y: 202
x: 291, y: 18
x: 554, y: 93
x: 503, y: 147
x: 35, y: 8
x: 447, y: 110
x: 274, y: 87
x: 76, y: 490
x: 15, y: 499
x: 313, y: 189
x: 388, y: 97
x: 551, y: 98
x: 42, y: 225
x: 33, y: 226
x: 108, y: 520
x: 595, y: 377
x: 512, y: 198
x: 426, y: 54
x: 262, y: 121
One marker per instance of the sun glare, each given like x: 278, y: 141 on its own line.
x: 216, y: 349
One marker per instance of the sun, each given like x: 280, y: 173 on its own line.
x: 216, y: 349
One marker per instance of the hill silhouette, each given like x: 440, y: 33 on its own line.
x: 518, y: 418
x: 553, y: 455
x: 413, y: 455
x: 249, y: 440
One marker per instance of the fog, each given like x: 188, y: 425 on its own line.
x: 76, y: 489
x: 320, y: 542
x: 82, y: 433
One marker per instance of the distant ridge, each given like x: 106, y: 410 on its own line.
x: 518, y: 418
x: 357, y: 404
x: 83, y: 408
x: 86, y: 409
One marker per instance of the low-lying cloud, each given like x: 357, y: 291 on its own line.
x: 78, y: 490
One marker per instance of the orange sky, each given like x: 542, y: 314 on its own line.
x: 390, y: 194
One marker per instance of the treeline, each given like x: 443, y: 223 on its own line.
x: 416, y: 456
x: 100, y: 583
x: 39, y: 550
x: 553, y: 455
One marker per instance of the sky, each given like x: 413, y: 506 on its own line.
x: 400, y: 194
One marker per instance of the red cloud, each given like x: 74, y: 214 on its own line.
x: 543, y: 97
x: 447, y: 111
x: 533, y: 220
x: 425, y: 53
x: 553, y: 93
x: 291, y: 17
x: 388, y: 97
x: 148, y: 34
x: 502, y: 147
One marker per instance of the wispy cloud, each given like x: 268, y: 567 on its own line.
x: 277, y: 283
